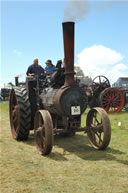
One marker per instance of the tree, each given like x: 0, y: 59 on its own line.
x: 10, y: 84
x: 79, y: 71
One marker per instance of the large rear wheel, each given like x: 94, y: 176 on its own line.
x: 20, y: 113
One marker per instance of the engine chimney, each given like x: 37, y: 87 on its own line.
x: 16, y: 81
x: 68, y: 37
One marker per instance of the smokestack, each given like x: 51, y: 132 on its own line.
x: 68, y: 37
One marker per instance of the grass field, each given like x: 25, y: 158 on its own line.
x: 72, y: 167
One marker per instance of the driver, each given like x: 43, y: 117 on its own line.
x: 35, y: 69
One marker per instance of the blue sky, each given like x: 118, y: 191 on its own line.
x: 32, y: 29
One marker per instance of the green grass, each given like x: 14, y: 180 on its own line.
x: 72, y: 167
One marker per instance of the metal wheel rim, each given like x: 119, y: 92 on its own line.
x: 99, y: 132
x: 43, y: 129
x: 40, y: 134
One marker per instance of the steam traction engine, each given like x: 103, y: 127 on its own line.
x: 54, y: 105
x: 110, y: 99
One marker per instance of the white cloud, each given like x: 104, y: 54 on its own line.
x: 121, y: 67
x: 17, y: 53
x: 99, y: 60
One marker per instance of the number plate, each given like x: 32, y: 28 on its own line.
x: 75, y: 110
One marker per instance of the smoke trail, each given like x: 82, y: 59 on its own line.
x: 76, y: 10
x: 101, y: 6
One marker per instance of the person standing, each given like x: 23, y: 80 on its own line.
x: 35, y: 69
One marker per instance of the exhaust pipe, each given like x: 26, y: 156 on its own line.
x: 16, y: 80
x: 68, y: 38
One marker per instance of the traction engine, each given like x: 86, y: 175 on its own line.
x: 54, y: 104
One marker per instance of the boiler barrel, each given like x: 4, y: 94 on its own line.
x: 70, y: 101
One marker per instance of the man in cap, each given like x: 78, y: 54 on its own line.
x: 49, y: 69
x: 35, y: 69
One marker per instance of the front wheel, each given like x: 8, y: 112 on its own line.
x: 43, y: 129
x: 99, y: 128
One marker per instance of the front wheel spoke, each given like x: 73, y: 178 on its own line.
x: 94, y: 118
x: 39, y: 138
x: 97, y: 121
x: 100, y: 128
x: 40, y: 143
x: 43, y: 141
x: 43, y: 133
x: 96, y: 128
x: 99, y: 137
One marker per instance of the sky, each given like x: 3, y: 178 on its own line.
x: 33, y: 29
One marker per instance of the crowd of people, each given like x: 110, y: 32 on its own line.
x: 36, y: 69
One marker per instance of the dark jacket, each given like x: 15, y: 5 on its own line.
x: 36, y: 70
